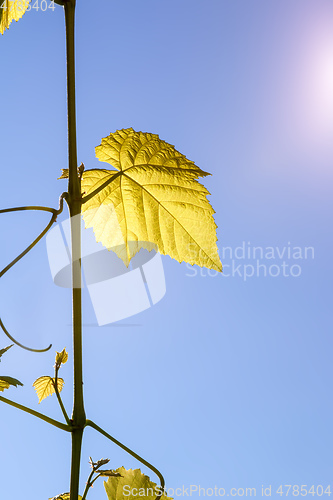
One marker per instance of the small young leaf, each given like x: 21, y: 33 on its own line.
x: 121, y: 487
x: 10, y: 381
x: 99, y: 463
x: 61, y: 357
x: 108, y: 473
x: 64, y: 496
x: 64, y: 174
x: 3, y: 385
x: 2, y: 351
x: 11, y: 10
x: 153, y: 200
x: 44, y: 386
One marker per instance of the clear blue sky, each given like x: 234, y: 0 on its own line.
x: 226, y: 382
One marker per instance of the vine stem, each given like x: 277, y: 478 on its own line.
x: 74, y: 203
x: 88, y: 485
x: 49, y: 420
x: 56, y: 390
x: 92, y: 424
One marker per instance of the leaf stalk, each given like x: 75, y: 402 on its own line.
x: 92, y: 424
x: 47, y: 419
x: 56, y: 390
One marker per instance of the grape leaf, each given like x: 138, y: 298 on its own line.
x: 153, y: 200
x: 61, y: 357
x: 11, y: 10
x: 44, y: 386
x: 6, y: 382
x: 5, y: 349
x: 131, y: 485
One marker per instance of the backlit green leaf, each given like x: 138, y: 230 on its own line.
x: 11, y: 381
x: 44, y: 386
x: 61, y: 357
x: 5, y: 349
x: 132, y: 485
x: 153, y: 200
x: 11, y: 10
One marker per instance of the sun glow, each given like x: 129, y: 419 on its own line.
x: 311, y: 101
x: 319, y: 89
x: 323, y: 82
x: 302, y: 105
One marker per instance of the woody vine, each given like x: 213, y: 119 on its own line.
x: 150, y: 199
